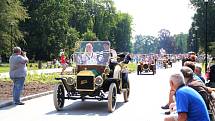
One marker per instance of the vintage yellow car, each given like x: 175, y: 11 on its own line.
x: 101, y: 78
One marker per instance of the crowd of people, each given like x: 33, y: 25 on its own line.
x: 189, y: 94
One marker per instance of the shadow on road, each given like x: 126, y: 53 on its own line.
x: 146, y: 74
x: 10, y: 106
x: 88, y: 108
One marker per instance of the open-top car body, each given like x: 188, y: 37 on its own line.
x: 147, y: 65
x: 167, y: 62
x: 96, y: 75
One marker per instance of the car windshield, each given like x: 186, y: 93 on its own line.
x: 92, y: 53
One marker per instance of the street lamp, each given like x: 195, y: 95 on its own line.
x: 11, y: 39
x: 196, y: 41
x: 192, y: 45
x: 206, y: 37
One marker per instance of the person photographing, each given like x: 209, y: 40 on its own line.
x: 18, y: 73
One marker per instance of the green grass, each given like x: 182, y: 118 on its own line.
x: 4, y: 68
x: 48, y: 78
x: 43, y: 78
x: 31, y: 66
x: 132, y: 67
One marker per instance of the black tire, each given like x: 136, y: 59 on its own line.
x: 165, y: 66
x: 138, y: 72
x: 138, y: 69
x: 127, y: 92
x: 59, y: 97
x: 112, y: 97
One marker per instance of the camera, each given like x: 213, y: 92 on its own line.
x: 23, y: 53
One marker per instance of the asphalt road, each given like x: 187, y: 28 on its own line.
x: 148, y: 93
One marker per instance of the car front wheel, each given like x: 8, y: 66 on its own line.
x: 58, y: 97
x: 112, y: 97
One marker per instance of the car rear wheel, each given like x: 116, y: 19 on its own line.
x: 112, y: 97
x: 58, y: 97
x: 126, y: 93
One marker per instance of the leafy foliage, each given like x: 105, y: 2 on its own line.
x: 199, y: 20
x: 122, y: 33
x: 11, y: 14
x: 172, y: 44
x: 59, y: 24
x: 181, y: 43
x: 53, y: 25
x: 146, y: 44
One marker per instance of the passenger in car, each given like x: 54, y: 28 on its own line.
x: 104, y: 55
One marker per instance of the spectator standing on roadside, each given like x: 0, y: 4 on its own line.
x: 18, y: 73
x: 63, y: 62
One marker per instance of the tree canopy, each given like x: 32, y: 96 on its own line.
x: 46, y: 26
x: 170, y: 43
x: 199, y: 20
x: 11, y: 14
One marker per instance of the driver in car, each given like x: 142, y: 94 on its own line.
x: 89, y: 57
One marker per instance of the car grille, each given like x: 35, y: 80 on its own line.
x: 85, y: 83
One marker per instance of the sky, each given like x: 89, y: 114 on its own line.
x: 150, y: 16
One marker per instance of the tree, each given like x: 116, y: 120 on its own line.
x: 181, y: 42
x: 12, y: 13
x: 48, y: 29
x: 146, y: 44
x: 59, y: 24
x: 166, y: 41
x: 122, y: 42
x: 89, y: 36
x: 199, y: 20
x: 104, y: 18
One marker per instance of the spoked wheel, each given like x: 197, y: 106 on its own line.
x: 127, y: 92
x: 59, y: 96
x: 138, y: 69
x: 154, y: 72
x: 112, y: 97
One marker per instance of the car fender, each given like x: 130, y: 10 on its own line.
x: 108, y: 82
x: 117, y: 71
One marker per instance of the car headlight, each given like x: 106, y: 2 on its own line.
x: 107, y: 71
x: 98, y: 80
x: 70, y: 81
